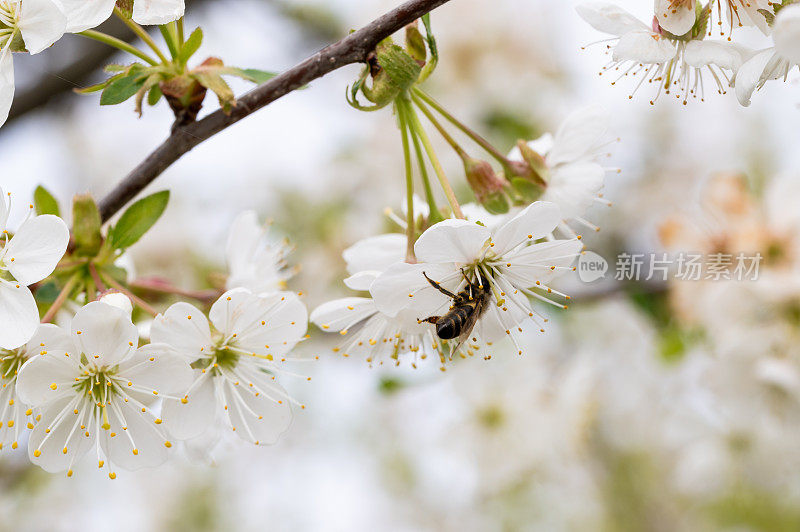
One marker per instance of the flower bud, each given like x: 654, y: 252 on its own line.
x: 415, y: 44
x: 185, y: 96
x: 489, y: 188
x: 118, y: 300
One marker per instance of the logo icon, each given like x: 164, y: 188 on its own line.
x: 591, y: 267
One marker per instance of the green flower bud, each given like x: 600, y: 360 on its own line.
x: 489, y: 188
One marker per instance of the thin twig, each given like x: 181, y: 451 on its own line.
x: 351, y: 49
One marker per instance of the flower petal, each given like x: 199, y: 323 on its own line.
x: 259, y: 417
x: 6, y: 98
x: 133, y: 440
x: 609, y: 18
x: 403, y: 286
x: 751, y: 74
x: 85, y: 14
x: 579, y: 135
x: 53, y: 361
x: 157, y: 12
x: 42, y: 22
x: 38, y: 245
x: 362, y: 280
x: 534, y: 222
x: 676, y: 19
x: 786, y: 33
x: 191, y: 418
x: 57, y: 438
x: 341, y: 314
x: 451, y: 241
x: 375, y: 253
x: 19, y: 315
x: 104, y: 334
x: 573, y: 187
x: 159, y: 368
x: 539, y: 262
x: 185, y: 328
x: 644, y: 47
x: 724, y: 55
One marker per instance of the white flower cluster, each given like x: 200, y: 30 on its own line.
x: 34, y: 25
x: 472, y: 279
x: 95, y: 384
x: 674, y: 54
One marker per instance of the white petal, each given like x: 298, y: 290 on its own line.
x: 579, y: 135
x: 258, y: 417
x: 676, y: 20
x: 157, y: 11
x: 536, y: 221
x: 45, y: 377
x: 542, y: 146
x: 751, y: 74
x: 189, y: 419
x: 243, y: 240
x: 19, y: 315
x: 132, y: 430
x: 118, y: 300
x: 42, y: 22
x: 38, y: 245
x: 786, y: 33
x: 362, y: 280
x: 724, y: 55
x: 375, y: 253
x: 451, y: 241
x: 6, y: 97
x: 268, y: 325
x: 535, y: 263
x: 85, y: 14
x: 51, y: 437
x: 403, y: 286
x: 157, y: 367
x: 609, y: 18
x: 185, y: 328
x: 573, y: 187
x: 341, y: 314
x: 644, y: 47
x: 104, y: 333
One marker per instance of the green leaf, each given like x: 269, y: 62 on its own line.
x: 150, y: 82
x: 44, y: 202
x: 257, y: 76
x: 86, y: 226
x: 137, y: 220
x: 154, y: 96
x: 210, y: 79
x: 191, y: 46
x: 124, y: 87
x: 94, y: 88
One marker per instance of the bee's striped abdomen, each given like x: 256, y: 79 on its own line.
x: 451, y: 324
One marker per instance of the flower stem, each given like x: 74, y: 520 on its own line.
x: 179, y: 29
x: 136, y: 300
x: 442, y: 131
x: 435, y: 215
x: 119, y: 44
x: 164, y: 288
x: 401, y: 106
x: 60, y: 299
x: 437, y: 166
x: 142, y: 34
x: 482, y: 142
x: 170, y: 38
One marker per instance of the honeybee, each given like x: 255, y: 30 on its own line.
x: 468, y: 305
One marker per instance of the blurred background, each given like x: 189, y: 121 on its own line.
x: 644, y: 407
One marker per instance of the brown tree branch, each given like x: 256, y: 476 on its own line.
x: 351, y: 49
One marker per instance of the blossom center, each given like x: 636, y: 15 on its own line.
x: 10, y: 362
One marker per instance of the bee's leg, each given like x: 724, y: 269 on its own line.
x: 439, y: 287
x: 469, y: 283
x: 433, y: 319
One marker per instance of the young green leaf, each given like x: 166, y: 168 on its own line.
x: 137, y: 220
x: 123, y: 88
x: 154, y: 96
x: 86, y: 226
x: 44, y: 202
x: 191, y: 46
x: 210, y: 79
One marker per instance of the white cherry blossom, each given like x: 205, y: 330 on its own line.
x: 775, y: 62
x: 656, y: 57
x: 92, y: 386
x: 255, y: 261
x: 28, y: 257
x: 574, y: 176
x: 39, y: 23
x: 237, y: 358
x: 85, y: 14
x: 514, y: 259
